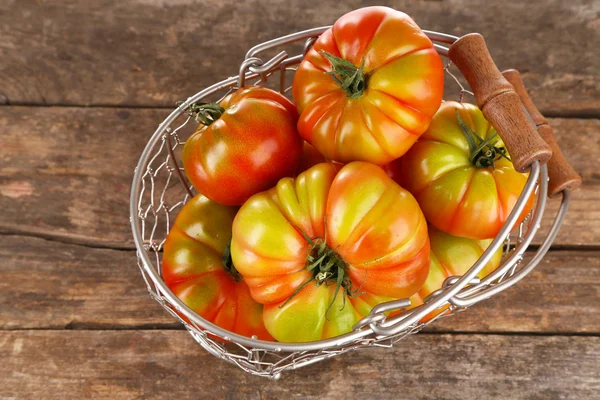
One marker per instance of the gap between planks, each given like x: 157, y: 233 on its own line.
x: 67, y: 239
x: 567, y: 114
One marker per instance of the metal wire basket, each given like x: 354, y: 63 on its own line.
x: 159, y: 190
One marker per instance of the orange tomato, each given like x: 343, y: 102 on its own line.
x: 463, y: 192
x: 369, y: 87
x: 349, y: 228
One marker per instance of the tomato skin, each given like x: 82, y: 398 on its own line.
x: 452, y: 256
x: 393, y: 169
x: 370, y: 221
x: 193, y: 269
x: 310, y: 157
x: 405, y: 80
x: 247, y: 150
x: 455, y: 196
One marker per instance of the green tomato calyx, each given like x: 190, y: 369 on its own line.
x: 204, y: 113
x: 484, y: 153
x: 327, y: 267
x: 352, y: 79
x: 228, y: 264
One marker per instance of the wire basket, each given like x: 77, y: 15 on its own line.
x: 159, y: 190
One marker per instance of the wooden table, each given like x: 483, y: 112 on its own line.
x: 82, y: 87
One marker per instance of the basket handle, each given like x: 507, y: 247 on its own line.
x: 499, y: 102
x: 561, y: 173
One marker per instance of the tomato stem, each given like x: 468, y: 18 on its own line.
x: 352, y: 79
x: 327, y: 266
x: 228, y: 264
x: 484, y: 153
x: 205, y: 113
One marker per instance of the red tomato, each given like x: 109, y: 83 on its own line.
x: 193, y: 269
x: 350, y: 228
x: 369, y: 87
x: 452, y: 256
x: 463, y: 190
x: 244, y: 147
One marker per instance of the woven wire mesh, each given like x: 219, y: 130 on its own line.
x: 163, y: 190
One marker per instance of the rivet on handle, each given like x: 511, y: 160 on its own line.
x: 561, y: 174
x: 499, y: 102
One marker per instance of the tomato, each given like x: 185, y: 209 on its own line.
x: 321, y: 250
x: 194, y: 271
x: 394, y: 170
x: 452, y: 256
x: 244, y: 145
x: 369, y: 87
x: 463, y: 190
x: 310, y: 157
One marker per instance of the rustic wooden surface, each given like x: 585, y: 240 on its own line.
x: 82, y: 87
x: 155, y: 52
x: 167, y: 364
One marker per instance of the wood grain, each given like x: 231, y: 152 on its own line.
x: 169, y: 364
x: 75, y: 316
x: 155, y: 52
x: 53, y: 285
x: 65, y: 173
x: 50, y: 285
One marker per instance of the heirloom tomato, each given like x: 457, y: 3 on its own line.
x: 319, y: 251
x: 243, y: 145
x: 460, y: 173
x: 452, y: 256
x: 198, y: 270
x: 369, y: 87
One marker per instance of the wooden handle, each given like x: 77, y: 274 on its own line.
x: 562, y: 175
x: 499, y: 102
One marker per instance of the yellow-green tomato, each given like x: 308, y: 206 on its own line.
x: 459, y: 172
x: 452, y: 256
x: 321, y: 250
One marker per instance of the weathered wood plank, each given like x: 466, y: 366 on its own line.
x: 54, y: 285
x: 559, y: 296
x: 155, y: 52
x: 169, y: 364
x: 66, y: 172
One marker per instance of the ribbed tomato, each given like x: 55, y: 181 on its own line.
x: 461, y: 174
x: 452, y: 256
x: 243, y: 145
x: 321, y: 250
x: 196, y: 271
x: 369, y: 87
